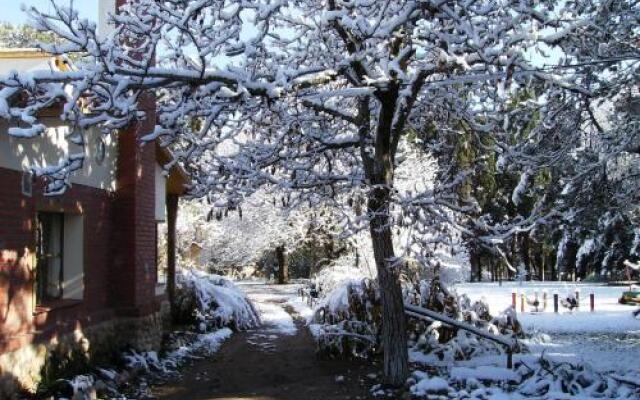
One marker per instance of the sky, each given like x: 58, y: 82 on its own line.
x: 11, y: 9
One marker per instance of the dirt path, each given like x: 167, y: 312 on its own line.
x: 274, y: 362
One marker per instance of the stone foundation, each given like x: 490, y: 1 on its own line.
x: 72, y: 354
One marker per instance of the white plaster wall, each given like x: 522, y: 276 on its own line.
x: 161, y: 194
x: 8, y: 65
x: 20, y: 154
x: 73, y: 279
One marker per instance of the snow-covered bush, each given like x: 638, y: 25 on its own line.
x: 449, y: 343
x: 337, y: 275
x: 347, y: 320
x: 537, y: 379
x: 212, y: 302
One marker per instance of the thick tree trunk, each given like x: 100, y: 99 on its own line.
x: 283, y: 265
x: 394, y: 329
x: 379, y: 171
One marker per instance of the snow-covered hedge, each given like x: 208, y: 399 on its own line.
x: 212, y: 302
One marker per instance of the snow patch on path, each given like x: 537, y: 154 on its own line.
x: 272, y: 302
x: 276, y: 319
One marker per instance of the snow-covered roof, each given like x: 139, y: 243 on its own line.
x: 178, y: 177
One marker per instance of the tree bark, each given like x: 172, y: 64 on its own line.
x: 283, y: 265
x: 379, y: 171
x: 394, y: 330
x: 172, y: 215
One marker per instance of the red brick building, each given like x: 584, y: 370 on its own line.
x: 79, y: 271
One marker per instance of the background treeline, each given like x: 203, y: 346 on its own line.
x: 568, y: 208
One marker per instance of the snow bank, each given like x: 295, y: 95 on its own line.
x: 607, y: 338
x: 205, y: 344
x: 430, y: 386
x: 486, y: 373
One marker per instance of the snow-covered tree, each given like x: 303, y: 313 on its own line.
x: 312, y: 99
x: 582, y: 147
x: 234, y: 239
x: 24, y: 36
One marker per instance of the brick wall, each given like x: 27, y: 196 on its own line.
x: 21, y: 321
x: 119, y: 250
x: 119, y: 247
x: 134, y: 278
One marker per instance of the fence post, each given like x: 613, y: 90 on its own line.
x: 555, y: 303
x: 513, y: 300
x: 592, y: 301
x: 522, y: 300
x: 544, y: 301
x: 577, y: 298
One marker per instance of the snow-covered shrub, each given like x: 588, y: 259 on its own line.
x: 347, y: 321
x: 212, y: 302
x: 450, y: 343
x: 537, y: 379
x: 338, y: 275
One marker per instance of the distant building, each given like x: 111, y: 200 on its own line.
x: 79, y: 272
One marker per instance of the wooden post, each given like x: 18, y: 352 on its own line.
x: 577, y: 298
x: 544, y: 301
x: 555, y: 303
x: 172, y: 215
x: 522, y: 300
x: 513, y: 300
x: 592, y: 301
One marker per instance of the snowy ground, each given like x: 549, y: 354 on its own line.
x: 270, y: 301
x: 608, y: 339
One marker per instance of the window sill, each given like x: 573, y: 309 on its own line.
x: 55, y: 305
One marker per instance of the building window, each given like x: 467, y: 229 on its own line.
x: 60, y: 257
x: 50, y: 243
